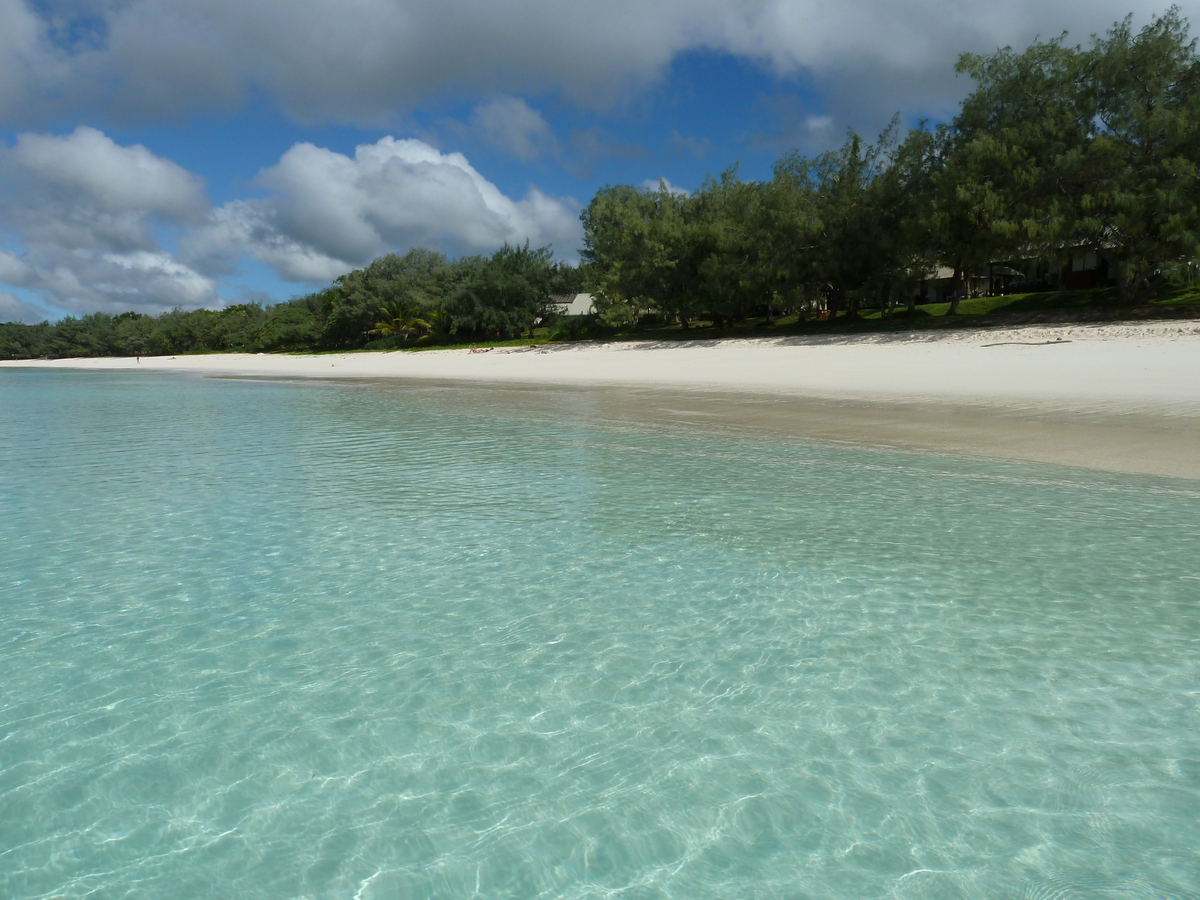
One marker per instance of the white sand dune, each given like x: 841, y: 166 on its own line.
x: 1123, y: 397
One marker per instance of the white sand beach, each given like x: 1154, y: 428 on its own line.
x: 1120, y: 397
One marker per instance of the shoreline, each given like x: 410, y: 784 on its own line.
x: 1118, y: 442
x: 1120, y: 398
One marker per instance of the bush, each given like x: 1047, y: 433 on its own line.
x: 289, y: 328
x: 572, y: 328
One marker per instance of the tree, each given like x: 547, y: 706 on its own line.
x: 972, y: 211
x: 1006, y: 150
x: 908, y: 196
x: 20, y: 341
x: 641, y: 248
x: 567, y: 279
x: 1060, y: 147
x: 503, y: 295
x: 738, y: 266
x: 1142, y: 161
x: 288, y: 327
x: 852, y: 217
x: 237, y: 327
x: 131, y: 333
x: 398, y: 318
x: 420, y: 278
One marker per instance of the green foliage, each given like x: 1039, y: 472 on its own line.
x: 744, y: 248
x: 351, y: 307
x: 574, y: 328
x: 397, y: 300
x: 639, y: 246
x: 18, y: 341
x: 400, y: 319
x: 1063, y: 146
x: 504, y: 295
x: 853, y: 198
x: 1143, y: 160
x: 1057, y: 149
x: 566, y: 279
x: 288, y: 328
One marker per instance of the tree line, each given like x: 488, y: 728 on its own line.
x: 1058, y: 149
x: 393, y: 302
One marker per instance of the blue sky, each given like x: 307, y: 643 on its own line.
x: 162, y: 153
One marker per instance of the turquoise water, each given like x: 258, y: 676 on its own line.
x: 275, y: 640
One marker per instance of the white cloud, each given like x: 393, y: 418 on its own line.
x: 327, y: 212
x: 683, y: 145
x: 14, y: 309
x: 85, y: 220
x: 512, y: 126
x: 655, y: 184
x: 88, y: 213
x: 146, y: 281
x: 817, y: 127
x: 244, y: 228
x: 87, y: 165
x: 361, y: 61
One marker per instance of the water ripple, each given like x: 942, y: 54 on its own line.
x: 268, y: 640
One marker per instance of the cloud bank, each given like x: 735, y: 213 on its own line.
x: 326, y: 212
x: 363, y: 61
x: 106, y: 227
x: 90, y: 216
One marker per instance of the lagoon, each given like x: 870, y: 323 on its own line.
x: 269, y: 639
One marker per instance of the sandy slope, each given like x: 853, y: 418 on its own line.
x: 1120, y: 397
x: 1145, y: 366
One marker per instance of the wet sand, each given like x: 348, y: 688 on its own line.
x: 1124, y: 441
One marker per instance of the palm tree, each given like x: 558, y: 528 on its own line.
x: 400, y: 319
x: 440, y: 321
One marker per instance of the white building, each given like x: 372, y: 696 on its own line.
x: 573, y: 304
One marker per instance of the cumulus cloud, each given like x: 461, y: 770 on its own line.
x: 89, y: 165
x: 87, y: 215
x: 86, y: 222
x: 329, y: 60
x: 327, y: 212
x: 513, y: 127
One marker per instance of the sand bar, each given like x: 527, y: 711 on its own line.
x: 1115, y: 397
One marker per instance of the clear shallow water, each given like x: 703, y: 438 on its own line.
x: 269, y: 640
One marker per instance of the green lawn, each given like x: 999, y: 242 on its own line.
x: 1050, y: 306
x: 1048, y: 301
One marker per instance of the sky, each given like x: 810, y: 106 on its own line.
x: 200, y: 153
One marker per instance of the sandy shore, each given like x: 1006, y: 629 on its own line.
x: 1117, y: 397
